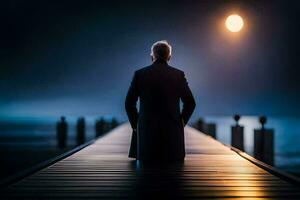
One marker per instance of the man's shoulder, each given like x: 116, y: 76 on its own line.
x: 143, y: 69
x: 171, y: 68
x: 148, y: 68
x: 176, y: 70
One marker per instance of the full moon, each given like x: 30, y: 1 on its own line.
x: 234, y: 23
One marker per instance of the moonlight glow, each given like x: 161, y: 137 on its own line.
x: 234, y: 23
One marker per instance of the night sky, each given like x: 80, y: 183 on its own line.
x: 78, y: 57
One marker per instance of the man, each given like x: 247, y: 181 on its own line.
x: 159, y: 122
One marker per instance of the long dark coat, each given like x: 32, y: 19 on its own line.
x: 159, y: 121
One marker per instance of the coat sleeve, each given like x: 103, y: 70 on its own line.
x: 131, y: 101
x: 187, y: 99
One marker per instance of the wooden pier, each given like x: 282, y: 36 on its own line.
x: 102, y: 170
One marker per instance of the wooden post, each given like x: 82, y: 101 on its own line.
x: 113, y: 123
x: 62, y: 132
x: 210, y: 129
x: 207, y: 128
x: 99, y: 127
x: 200, y: 124
x: 237, y: 134
x: 264, y: 143
x: 80, y: 137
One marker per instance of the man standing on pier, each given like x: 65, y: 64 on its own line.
x: 158, y: 126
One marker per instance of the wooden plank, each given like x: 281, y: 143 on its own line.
x: 103, y: 170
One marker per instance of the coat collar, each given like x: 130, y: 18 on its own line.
x: 160, y: 61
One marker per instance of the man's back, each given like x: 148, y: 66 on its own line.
x: 159, y: 121
x: 159, y: 86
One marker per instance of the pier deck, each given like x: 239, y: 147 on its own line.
x: 103, y: 170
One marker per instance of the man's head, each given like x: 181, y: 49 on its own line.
x: 161, y: 50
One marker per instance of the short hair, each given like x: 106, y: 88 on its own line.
x: 161, y: 50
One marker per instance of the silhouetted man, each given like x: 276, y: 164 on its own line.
x: 159, y: 122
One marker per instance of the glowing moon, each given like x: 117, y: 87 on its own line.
x: 234, y: 23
